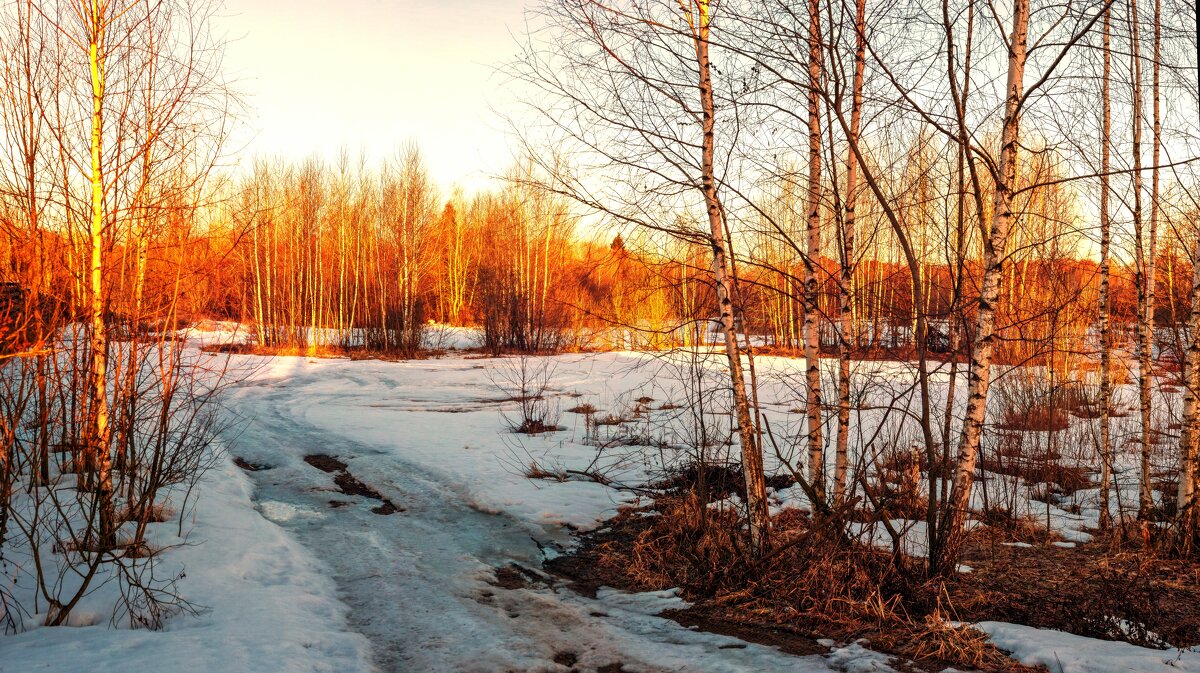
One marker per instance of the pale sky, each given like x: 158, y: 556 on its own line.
x: 320, y: 75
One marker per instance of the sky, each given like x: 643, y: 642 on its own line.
x: 369, y: 75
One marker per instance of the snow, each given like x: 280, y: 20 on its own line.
x: 292, y: 583
x: 1067, y: 653
x: 430, y: 435
x: 265, y: 605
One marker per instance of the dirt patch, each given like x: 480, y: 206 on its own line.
x: 515, y: 576
x: 1090, y: 590
x: 706, y: 618
x: 807, y: 590
x: 248, y: 466
x: 349, y: 484
x: 567, y: 659
x: 325, y: 463
x: 717, y: 481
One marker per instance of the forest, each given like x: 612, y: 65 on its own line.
x: 834, y: 335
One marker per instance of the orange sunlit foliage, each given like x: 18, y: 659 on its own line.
x: 315, y: 258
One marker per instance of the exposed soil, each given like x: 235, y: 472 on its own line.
x: 349, y: 484
x: 1095, y: 590
x: 248, y: 466
x: 606, y: 556
x: 513, y: 576
x: 719, y: 481
x: 1088, y: 590
x: 714, y: 620
x: 325, y: 463
x: 567, y: 659
x: 586, y: 570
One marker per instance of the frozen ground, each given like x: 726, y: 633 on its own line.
x: 420, y: 583
x: 299, y: 576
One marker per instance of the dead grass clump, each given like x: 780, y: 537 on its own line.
x: 585, y: 409
x: 1083, y: 401
x: 938, y: 638
x: 1028, y: 402
x: 1005, y: 526
x: 536, y: 471
x: 687, y: 545
x: 1040, y: 469
x: 895, y: 491
x: 609, y: 420
x: 715, y: 481
x: 536, y: 426
x: 125, y: 547
x: 154, y: 513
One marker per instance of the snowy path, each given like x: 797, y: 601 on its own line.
x: 419, y: 582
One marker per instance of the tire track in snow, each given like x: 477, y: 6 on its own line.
x: 421, y: 585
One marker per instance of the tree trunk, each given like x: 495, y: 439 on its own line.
x: 752, y: 462
x: 846, y: 286
x: 1144, y: 277
x: 1189, y: 438
x: 100, y: 461
x: 994, y: 244
x: 812, y: 260
x: 1104, y: 308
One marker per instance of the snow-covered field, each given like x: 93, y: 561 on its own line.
x: 292, y: 574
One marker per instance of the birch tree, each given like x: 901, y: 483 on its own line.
x: 630, y: 90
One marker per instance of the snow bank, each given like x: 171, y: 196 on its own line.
x: 1066, y: 653
x: 265, y: 604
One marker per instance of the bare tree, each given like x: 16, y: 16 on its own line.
x: 1106, y: 457
x: 631, y: 89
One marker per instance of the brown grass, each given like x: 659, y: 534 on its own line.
x: 809, y: 586
x: 1040, y: 470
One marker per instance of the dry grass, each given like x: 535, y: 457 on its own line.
x: 609, y: 420
x: 895, y: 491
x: 536, y: 471
x: 1040, y: 469
x: 156, y: 513
x: 125, y: 547
x: 809, y: 586
x: 937, y: 638
x: 1114, y: 589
